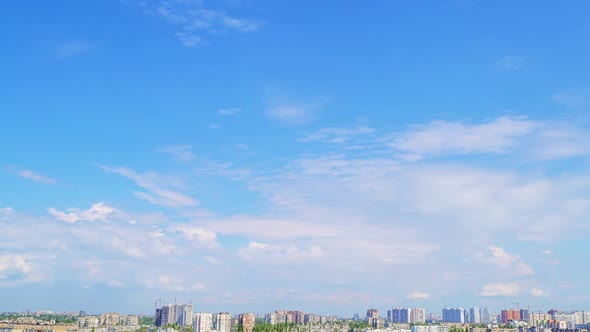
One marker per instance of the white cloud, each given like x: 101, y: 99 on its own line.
x: 499, y: 257
x: 336, y: 135
x: 72, y: 49
x: 559, y: 141
x: 115, y: 284
x: 295, y: 114
x: 329, y: 213
x: 512, y: 63
x: 193, y: 20
x: 98, y: 211
x: 442, y: 137
x: 499, y: 289
x: 229, y: 111
x: 418, y: 296
x: 179, y: 152
x: 291, y: 114
x: 536, y: 292
x: 6, y: 209
x: 28, y: 174
x: 280, y: 253
x: 201, y: 236
x: 19, y: 268
x: 570, y: 99
x: 188, y: 39
x: 212, y: 260
x: 199, y: 287
x: 243, y: 25
x: 155, y: 185
x: 126, y: 247
x: 214, y: 126
x: 257, y: 245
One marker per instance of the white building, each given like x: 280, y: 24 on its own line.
x: 417, y: 315
x: 430, y: 328
x: 186, y: 315
x: 223, y: 322
x: 88, y: 321
x: 486, y: 316
x: 203, y: 322
x: 474, y: 315
x: 181, y: 314
x: 569, y: 319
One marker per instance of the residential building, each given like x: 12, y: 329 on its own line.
x: 203, y: 322
x: 129, y: 320
x: 109, y: 319
x: 247, y: 321
x: 222, y: 322
x: 297, y: 317
x: 373, y: 318
x: 474, y: 315
x: 181, y: 314
x: 417, y: 315
x: 510, y: 314
x: 539, y: 319
x: 430, y: 328
x: 311, y: 319
x: 158, y: 317
x: 401, y: 315
x: 486, y: 316
x: 453, y: 315
x: 568, y: 318
x: 186, y: 316
x: 88, y: 321
x: 483, y: 329
x: 373, y: 313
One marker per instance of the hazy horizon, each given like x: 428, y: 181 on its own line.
x: 322, y: 156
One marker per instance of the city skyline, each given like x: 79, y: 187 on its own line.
x: 331, y: 156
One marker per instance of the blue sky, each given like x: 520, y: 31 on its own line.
x: 325, y: 156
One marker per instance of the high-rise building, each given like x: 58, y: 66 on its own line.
x: 372, y: 318
x: 297, y: 317
x: 109, y: 319
x: 311, y: 319
x: 186, y: 316
x: 539, y: 320
x: 158, y: 317
x: 510, y: 314
x: 401, y: 315
x: 373, y: 313
x: 88, y: 321
x: 247, y: 322
x: 474, y: 315
x: 453, y: 315
x: 223, y: 322
x: 129, y: 320
x: 524, y: 315
x: 430, y: 328
x: 181, y: 314
x: 417, y: 315
x: 203, y: 322
x: 486, y: 316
